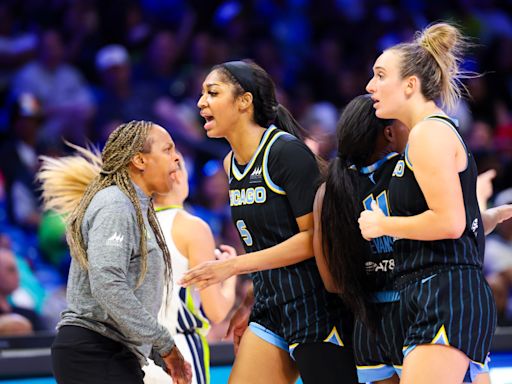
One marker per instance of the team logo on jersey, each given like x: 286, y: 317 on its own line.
x: 115, y: 240
x: 256, y: 175
x: 399, y: 169
x: 381, y: 266
x: 474, y: 226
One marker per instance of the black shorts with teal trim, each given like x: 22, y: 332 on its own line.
x: 451, y: 306
x: 329, y: 322
x: 376, y: 355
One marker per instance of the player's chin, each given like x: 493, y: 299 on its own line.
x: 212, y: 134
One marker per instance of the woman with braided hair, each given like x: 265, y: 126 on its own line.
x: 120, y: 262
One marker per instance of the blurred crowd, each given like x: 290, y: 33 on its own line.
x: 74, y: 69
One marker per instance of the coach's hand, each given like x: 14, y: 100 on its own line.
x: 177, y: 367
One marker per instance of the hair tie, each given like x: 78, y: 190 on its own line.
x: 425, y: 43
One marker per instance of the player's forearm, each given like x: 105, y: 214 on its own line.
x: 490, y: 219
x: 493, y: 216
x: 292, y: 251
x: 427, y: 226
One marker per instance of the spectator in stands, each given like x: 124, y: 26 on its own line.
x: 9, y: 282
x: 18, y: 162
x: 119, y: 98
x: 16, y: 47
x: 64, y: 94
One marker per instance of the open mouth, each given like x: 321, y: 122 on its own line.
x: 209, y: 121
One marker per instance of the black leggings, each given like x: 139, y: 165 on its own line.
x: 83, y: 356
x: 325, y: 363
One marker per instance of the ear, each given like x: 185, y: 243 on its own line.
x: 412, y: 84
x: 388, y: 133
x: 139, y: 162
x: 245, y: 101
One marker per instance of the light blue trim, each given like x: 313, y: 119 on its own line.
x: 373, y: 167
x: 406, y: 157
x: 368, y: 374
x: 268, y: 336
x: 408, y: 350
x: 476, y: 369
x: 234, y: 169
x: 386, y: 296
x: 266, y: 176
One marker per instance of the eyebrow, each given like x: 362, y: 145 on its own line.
x: 378, y: 68
x: 211, y: 84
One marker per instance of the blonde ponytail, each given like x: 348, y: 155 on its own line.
x: 65, y: 179
x: 435, y: 57
x: 445, y: 44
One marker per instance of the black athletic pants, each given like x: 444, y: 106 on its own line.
x: 83, y: 356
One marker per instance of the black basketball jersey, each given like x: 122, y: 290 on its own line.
x: 266, y: 196
x: 373, y: 186
x: 406, y: 199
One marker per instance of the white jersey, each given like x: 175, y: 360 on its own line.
x: 182, y: 314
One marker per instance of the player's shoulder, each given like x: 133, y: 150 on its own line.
x: 287, y: 144
x: 191, y: 224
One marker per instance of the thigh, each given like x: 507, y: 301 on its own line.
x: 259, y: 361
x: 439, y: 364
x: 124, y: 368
x: 452, y: 308
x: 325, y: 363
x: 483, y: 378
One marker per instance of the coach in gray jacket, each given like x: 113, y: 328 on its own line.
x: 120, y: 263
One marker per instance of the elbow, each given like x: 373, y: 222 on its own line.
x: 99, y: 291
x: 331, y: 287
x: 455, y: 229
x: 217, y: 316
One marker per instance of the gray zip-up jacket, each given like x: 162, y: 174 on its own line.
x: 103, y: 298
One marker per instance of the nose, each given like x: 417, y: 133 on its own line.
x: 370, y: 87
x: 201, y: 103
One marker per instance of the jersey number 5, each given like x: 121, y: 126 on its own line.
x: 244, y: 232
